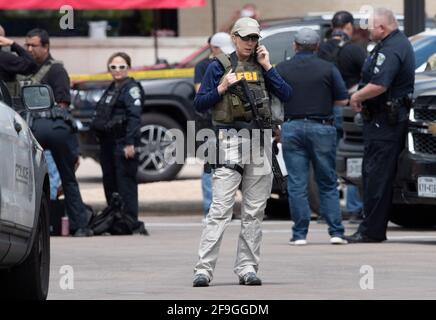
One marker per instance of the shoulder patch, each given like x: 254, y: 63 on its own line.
x: 135, y: 93
x: 380, y: 59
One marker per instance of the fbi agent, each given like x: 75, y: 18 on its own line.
x: 251, y: 62
x: 388, y: 77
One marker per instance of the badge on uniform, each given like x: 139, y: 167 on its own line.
x: 108, y: 99
x: 380, y: 59
x: 135, y: 93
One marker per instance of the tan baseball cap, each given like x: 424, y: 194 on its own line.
x: 245, y: 26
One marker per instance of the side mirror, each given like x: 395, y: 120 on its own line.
x: 37, y: 97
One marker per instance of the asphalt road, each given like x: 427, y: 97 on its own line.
x: 160, y: 266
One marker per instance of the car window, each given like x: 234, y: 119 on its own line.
x: 424, y: 48
x: 201, y: 56
x: 279, y: 46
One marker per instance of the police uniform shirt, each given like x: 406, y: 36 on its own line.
x: 130, y: 103
x: 57, y: 78
x: 393, y: 62
x: 350, y: 60
x: 11, y: 64
x: 208, y: 96
x: 392, y: 65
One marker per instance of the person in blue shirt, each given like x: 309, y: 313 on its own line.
x: 309, y: 135
x: 220, y: 42
x: 229, y: 114
x: 388, y: 78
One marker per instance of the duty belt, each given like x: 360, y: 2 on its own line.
x: 319, y: 119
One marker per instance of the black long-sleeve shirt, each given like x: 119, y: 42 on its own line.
x: 11, y: 64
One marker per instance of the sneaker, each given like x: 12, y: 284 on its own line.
x: 201, y: 280
x: 250, y: 279
x: 338, y: 240
x: 300, y: 242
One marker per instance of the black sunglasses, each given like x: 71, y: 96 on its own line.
x: 252, y: 37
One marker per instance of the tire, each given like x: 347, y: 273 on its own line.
x: 30, y: 279
x: 413, y: 216
x: 153, y: 144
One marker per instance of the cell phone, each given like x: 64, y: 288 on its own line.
x: 255, y: 51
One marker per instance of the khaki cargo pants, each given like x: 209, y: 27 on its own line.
x: 256, y: 189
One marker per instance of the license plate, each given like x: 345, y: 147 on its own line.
x: 354, y: 167
x: 427, y: 187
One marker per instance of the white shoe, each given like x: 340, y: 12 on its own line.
x: 338, y: 240
x: 301, y: 242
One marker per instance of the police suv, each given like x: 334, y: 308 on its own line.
x: 24, y: 212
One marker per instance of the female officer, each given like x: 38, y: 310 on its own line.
x: 249, y: 61
x: 117, y: 123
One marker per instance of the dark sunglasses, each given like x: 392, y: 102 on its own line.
x: 252, y: 37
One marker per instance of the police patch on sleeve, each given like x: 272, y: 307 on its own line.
x: 380, y: 59
x: 135, y: 93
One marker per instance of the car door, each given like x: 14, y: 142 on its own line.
x: 16, y: 174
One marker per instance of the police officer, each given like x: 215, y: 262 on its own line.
x: 14, y: 60
x: 309, y: 136
x: 250, y: 61
x: 117, y: 123
x: 387, y: 83
x: 55, y: 130
x: 348, y: 58
x: 52, y: 73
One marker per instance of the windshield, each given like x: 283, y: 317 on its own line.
x: 424, y: 47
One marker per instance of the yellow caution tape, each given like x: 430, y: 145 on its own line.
x: 146, y: 74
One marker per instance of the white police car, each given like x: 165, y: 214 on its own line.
x: 24, y: 191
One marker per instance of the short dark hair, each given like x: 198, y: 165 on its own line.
x: 41, y: 33
x: 306, y: 47
x: 341, y: 18
x: 123, y: 55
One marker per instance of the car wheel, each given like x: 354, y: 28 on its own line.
x: 30, y: 279
x: 413, y: 216
x: 156, y: 141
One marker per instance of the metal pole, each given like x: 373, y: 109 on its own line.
x: 155, y: 43
x: 414, y: 16
x: 214, y: 28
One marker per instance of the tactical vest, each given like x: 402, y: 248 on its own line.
x: 105, y: 121
x: 37, y: 77
x: 231, y: 108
